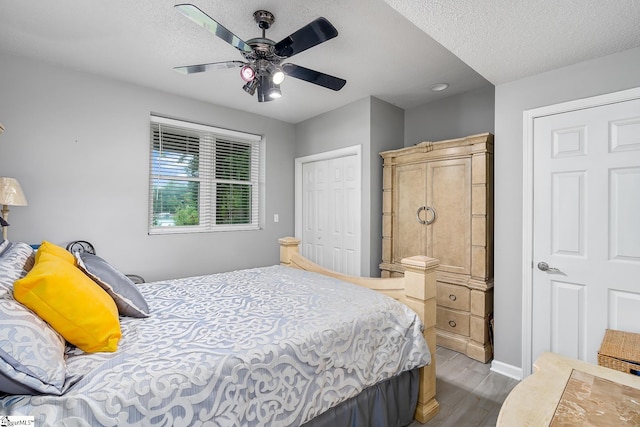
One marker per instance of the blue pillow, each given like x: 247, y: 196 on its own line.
x: 127, y: 297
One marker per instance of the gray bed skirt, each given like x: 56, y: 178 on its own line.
x: 390, y: 403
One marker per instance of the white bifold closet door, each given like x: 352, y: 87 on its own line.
x: 331, y: 213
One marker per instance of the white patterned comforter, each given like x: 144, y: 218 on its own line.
x: 270, y: 346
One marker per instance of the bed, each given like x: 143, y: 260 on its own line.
x: 289, y: 344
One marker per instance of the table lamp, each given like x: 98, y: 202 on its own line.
x: 11, y: 194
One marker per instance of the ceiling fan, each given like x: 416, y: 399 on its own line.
x: 262, y: 68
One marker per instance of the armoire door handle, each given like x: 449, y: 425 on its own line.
x: 427, y: 209
x: 433, y: 215
x: 420, y: 220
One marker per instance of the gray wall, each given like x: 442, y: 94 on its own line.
x: 376, y: 126
x: 343, y: 127
x: 79, y: 146
x: 457, y: 116
x: 609, y: 74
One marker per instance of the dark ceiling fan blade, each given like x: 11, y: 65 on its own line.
x: 199, y: 17
x: 310, y: 35
x: 312, y: 76
x: 190, y: 69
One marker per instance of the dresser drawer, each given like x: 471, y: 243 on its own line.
x: 453, y: 321
x: 453, y: 296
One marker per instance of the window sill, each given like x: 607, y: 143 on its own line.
x: 192, y: 230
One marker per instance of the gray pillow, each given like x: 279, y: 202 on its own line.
x: 3, y: 246
x: 15, y: 261
x: 127, y: 297
x: 31, y: 352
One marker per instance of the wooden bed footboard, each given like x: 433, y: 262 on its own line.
x: 417, y: 289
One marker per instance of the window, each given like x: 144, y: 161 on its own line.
x: 202, y: 178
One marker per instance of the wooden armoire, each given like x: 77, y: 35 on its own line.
x: 438, y: 202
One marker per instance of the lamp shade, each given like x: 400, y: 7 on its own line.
x: 11, y: 193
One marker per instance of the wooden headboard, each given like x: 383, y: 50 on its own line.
x: 417, y: 289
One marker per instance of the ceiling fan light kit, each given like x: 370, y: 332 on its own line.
x: 247, y: 73
x: 262, y: 68
x: 277, y: 75
x: 250, y: 87
x: 274, y: 92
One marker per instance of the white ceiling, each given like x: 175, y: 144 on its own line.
x: 506, y: 40
x: 391, y: 49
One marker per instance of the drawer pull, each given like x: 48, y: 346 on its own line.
x: 452, y: 323
x: 452, y: 297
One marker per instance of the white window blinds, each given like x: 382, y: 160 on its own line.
x: 202, y: 178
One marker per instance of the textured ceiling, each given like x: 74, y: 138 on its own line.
x: 378, y: 51
x: 506, y: 40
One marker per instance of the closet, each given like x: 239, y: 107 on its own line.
x: 438, y: 202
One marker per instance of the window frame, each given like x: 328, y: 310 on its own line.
x: 207, y: 208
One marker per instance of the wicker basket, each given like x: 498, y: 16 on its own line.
x: 620, y: 351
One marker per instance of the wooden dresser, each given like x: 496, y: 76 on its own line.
x: 438, y: 202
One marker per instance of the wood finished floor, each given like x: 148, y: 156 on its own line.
x: 469, y: 393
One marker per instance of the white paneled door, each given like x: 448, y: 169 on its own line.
x: 331, y: 213
x: 586, y: 228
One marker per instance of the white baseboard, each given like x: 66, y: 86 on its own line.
x: 507, y: 370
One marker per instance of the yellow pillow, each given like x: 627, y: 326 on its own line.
x: 73, y: 304
x: 50, y: 248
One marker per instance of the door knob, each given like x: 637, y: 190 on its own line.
x: 543, y: 266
